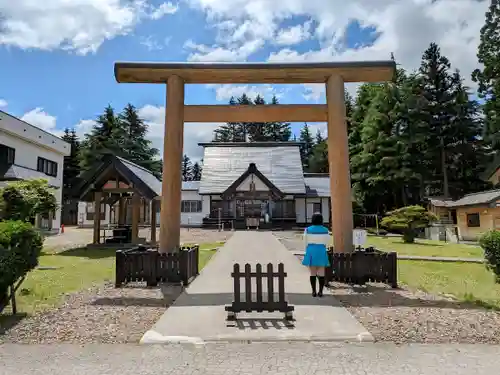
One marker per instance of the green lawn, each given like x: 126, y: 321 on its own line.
x: 425, y: 247
x: 75, y: 270
x: 470, y: 282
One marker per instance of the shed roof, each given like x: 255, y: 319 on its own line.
x: 318, y: 186
x: 146, y: 184
x: 278, y: 161
x: 476, y: 199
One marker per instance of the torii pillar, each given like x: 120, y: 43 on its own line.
x: 338, y: 161
x: 170, y: 216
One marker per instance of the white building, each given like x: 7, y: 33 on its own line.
x: 242, y: 185
x: 28, y: 152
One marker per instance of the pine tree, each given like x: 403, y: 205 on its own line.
x: 196, y: 171
x: 257, y: 131
x: 437, y: 90
x: 137, y: 147
x: 71, y: 163
x: 488, y: 77
x: 306, y: 148
x: 186, y: 169
x: 230, y: 132
x: 107, y: 135
x: 278, y: 131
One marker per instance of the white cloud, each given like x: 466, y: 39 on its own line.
x: 152, y: 44
x: 83, y: 127
x: 3, y: 103
x: 225, y: 92
x: 294, y: 35
x: 405, y: 28
x: 79, y: 25
x: 162, y: 10
x: 38, y: 117
x: 204, y: 53
x: 194, y: 133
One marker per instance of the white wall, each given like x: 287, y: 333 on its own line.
x: 300, y: 211
x: 30, y: 143
x: 82, y: 215
x: 194, y: 218
x: 245, y: 185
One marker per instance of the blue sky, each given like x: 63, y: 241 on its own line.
x: 57, y: 59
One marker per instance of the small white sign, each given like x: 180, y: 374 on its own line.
x: 359, y: 237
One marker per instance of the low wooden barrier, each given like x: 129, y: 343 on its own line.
x: 147, y: 264
x: 259, y: 304
x: 362, y: 266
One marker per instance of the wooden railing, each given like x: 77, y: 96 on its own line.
x: 362, y: 266
x: 259, y: 303
x: 147, y: 264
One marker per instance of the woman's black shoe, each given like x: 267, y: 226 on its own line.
x: 314, y: 294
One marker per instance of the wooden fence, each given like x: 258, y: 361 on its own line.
x: 362, y: 266
x: 253, y: 288
x: 147, y: 264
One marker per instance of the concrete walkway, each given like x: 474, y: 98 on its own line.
x: 256, y: 359
x: 198, y: 314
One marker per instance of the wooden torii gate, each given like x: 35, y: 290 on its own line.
x: 176, y: 75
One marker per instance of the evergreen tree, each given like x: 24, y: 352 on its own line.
x: 306, y: 148
x: 437, y: 89
x: 137, y: 148
x: 230, y: 132
x: 71, y: 163
x: 186, y: 169
x: 318, y: 161
x: 488, y: 76
x: 319, y: 137
x: 107, y: 135
x: 257, y: 131
x: 278, y: 131
x: 196, y: 171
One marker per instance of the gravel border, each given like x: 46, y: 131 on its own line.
x: 406, y: 316
x: 101, y: 314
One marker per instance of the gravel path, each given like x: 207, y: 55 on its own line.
x: 98, y: 315
x: 79, y: 237
x: 404, y: 316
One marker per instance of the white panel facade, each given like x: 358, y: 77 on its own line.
x: 193, y: 218
x: 31, y: 143
x: 259, y: 185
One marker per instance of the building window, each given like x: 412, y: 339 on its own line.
x: 317, y: 207
x: 190, y: 206
x: 473, y: 220
x: 7, y: 155
x: 47, y: 166
x: 91, y: 211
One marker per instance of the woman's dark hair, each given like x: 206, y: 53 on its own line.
x: 317, y: 219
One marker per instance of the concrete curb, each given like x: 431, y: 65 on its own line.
x: 152, y: 337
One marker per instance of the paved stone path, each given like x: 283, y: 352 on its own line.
x: 198, y: 314
x: 250, y: 359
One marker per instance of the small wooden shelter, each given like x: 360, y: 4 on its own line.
x: 119, y: 182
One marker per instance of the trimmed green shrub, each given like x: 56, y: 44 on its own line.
x: 490, y: 242
x: 20, y: 247
x: 409, y: 220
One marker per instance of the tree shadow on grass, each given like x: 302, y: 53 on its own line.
x: 8, y: 321
x: 89, y: 252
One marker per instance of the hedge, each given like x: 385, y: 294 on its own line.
x: 20, y: 247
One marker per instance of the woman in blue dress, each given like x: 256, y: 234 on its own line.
x: 316, y: 240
